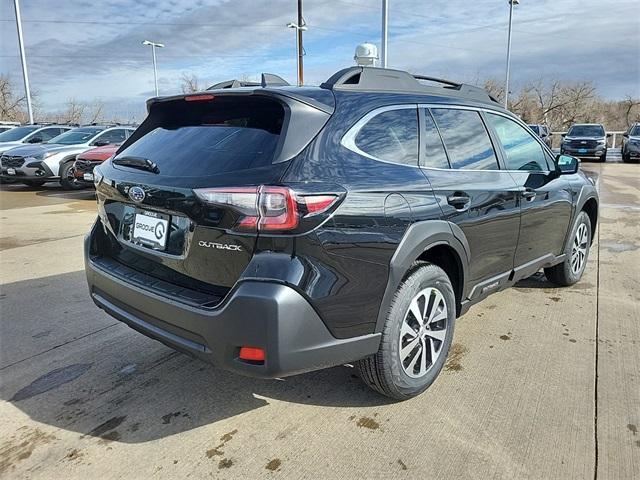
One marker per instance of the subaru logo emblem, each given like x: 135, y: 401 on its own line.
x: 136, y: 194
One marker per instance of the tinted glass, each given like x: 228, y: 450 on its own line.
x: 466, y: 139
x: 535, y: 129
x: 47, y: 133
x: 433, y: 153
x: 222, y: 136
x: 522, y: 150
x: 635, y: 131
x: 112, y: 136
x: 17, y: 133
x: 586, y: 131
x: 391, y: 136
x: 75, y: 136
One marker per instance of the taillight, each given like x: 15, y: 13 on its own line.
x: 267, y: 208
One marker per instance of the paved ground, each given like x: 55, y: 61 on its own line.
x: 541, y: 382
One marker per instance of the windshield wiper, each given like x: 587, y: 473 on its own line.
x: 137, y: 162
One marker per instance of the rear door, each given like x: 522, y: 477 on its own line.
x: 545, y: 197
x: 461, y: 164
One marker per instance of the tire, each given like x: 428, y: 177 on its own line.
x: 385, y: 371
x: 67, y: 179
x: 33, y: 183
x: 564, y: 274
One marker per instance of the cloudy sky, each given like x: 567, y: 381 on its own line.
x: 92, y: 50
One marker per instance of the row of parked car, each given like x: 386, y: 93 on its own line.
x: 36, y: 154
x: 589, y: 141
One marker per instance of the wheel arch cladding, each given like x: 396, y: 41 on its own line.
x: 433, y: 241
x: 590, y: 207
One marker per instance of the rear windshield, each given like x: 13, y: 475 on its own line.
x: 586, y: 131
x: 190, y: 139
x: 17, y: 133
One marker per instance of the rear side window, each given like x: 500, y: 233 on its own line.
x: 433, y: 153
x: 391, y: 136
x: 466, y: 139
x: 205, y: 138
x: 117, y: 135
x: 522, y: 151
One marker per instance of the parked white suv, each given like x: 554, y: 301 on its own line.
x: 53, y: 160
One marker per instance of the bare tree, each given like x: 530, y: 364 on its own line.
x: 95, y: 112
x: 189, y: 83
x: 11, y: 104
x: 631, y: 105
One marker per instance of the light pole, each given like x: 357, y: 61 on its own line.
x: 506, y: 81
x: 383, y: 43
x: 299, y: 49
x: 23, y: 58
x: 155, y: 68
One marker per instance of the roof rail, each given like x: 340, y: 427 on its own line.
x: 398, y: 81
x: 266, y: 80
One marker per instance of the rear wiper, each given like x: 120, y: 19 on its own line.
x: 137, y: 162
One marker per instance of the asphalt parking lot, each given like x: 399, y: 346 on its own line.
x: 541, y: 382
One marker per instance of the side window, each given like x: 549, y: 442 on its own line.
x: 112, y: 136
x: 523, y: 152
x: 466, y: 139
x: 433, y: 154
x: 48, y: 133
x: 391, y: 136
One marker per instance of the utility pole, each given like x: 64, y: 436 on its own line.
x: 506, y: 81
x: 383, y: 43
x: 23, y: 58
x: 300, y: 47
x: 300, y: 27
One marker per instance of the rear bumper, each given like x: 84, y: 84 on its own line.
x: 263, y: 314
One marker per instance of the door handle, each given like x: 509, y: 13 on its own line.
x: 528, y: 194
x: 459, y: 201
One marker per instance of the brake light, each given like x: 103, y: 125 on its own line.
x: 199, y: 98
x: 267, y: 208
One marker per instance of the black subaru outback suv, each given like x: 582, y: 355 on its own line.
x: 274, y: 230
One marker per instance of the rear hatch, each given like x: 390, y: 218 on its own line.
x: 183, y: 200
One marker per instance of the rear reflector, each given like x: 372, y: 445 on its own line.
x: 199, y: 98
x: 252, y: 354
x: 267, y: 208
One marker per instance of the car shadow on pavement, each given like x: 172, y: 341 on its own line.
x: 537, y: 280
x: 73, y: 367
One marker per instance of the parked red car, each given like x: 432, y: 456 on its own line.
x: 86, y: 162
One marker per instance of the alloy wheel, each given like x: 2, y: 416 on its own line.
x: 423, y: 332
x: 579, y: 249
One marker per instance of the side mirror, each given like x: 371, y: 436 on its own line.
x: 35, y: 140
x: 609, y: 135
x: 567, y: 164
x: 625, y: 135
x: 563, y: 135
x: 101, y: 143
